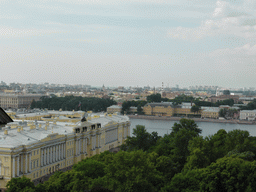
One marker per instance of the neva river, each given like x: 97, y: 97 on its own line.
x: 208, y: 128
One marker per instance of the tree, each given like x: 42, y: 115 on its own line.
x: 195, y: 108
x: 223, y: 112
x: 187, y: 124
x: 154, y: 98
x: 133, y: 172
x: 227, y: 174
x: 139, y: 109
x: 21, y: 184
x: 142, y: 140
x: 90, y: 168
x: 181, y: 134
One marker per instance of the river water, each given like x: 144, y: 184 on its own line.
x: 208, y: 128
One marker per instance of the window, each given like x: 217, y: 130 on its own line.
x: 34, y: 175
x: 37, y: 152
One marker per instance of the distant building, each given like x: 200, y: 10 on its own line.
x: 214, y: 99
x: 167, y: 109
x: 18, y: 101
x: 210, y: 112
x: 114, y: 109
x: 246, y: 100
x: 249, y: 115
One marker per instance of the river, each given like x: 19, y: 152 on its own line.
x: 208, y: 128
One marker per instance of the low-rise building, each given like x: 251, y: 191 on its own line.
x: 35, y: 149
x: 114, y: 109
x: 167, y: 109
x: 15, y: 101
x: 210, y: 112
x: 249, y: 115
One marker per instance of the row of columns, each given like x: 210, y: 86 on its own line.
x: 17, y: 164
x: 81, y: 146
x: 50, y: 155
x: 53, y: 154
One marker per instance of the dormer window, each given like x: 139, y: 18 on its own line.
x: 77, y: 130
x: 84, y: 129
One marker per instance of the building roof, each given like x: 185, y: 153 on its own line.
x: 210, y: 109
x: 248, y: 111
x: 115, y: 106
x: 165, y: 104
x: 29, y: 136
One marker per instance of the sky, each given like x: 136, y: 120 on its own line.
x: 129, y: 42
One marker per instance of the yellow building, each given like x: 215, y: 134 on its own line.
x: 37, y: 149
x: 114, y: 109
x: 167, y: 109
x: 17, y: 101
x: 210, y: 112
x: 160, y: 109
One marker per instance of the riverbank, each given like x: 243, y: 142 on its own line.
x: 167, y: 118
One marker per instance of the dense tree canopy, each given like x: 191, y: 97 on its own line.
x: 73, y: 103
x: 127, y: 104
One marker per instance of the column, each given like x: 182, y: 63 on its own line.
x: 76, y: 148
x: 62, y: 147
x: 99, y: 137
x: 56, y: 154
x: 59, y: 152
x: 47, y: 155
x: 83, y: 145
x: 44, y: 156
x: 18, y: 166
x: 79, y: 146
x: 13, y: 167
x: 29, y: 166
x: 26, y: 164
x: 64, y: 150
x: 86, y: 140
x: 50, y: 154
x: 21, y: 163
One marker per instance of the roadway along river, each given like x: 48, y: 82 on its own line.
x: 208, y: 128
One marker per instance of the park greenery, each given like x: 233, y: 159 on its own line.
x: 73, y: 103
x: 128, y: 104
x: 179, y: 161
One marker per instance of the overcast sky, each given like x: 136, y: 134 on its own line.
x: 129, y: 42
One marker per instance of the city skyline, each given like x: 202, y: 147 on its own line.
x: 129, y: 43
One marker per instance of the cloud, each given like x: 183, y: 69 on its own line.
x: 10, y: 32
x: 243, y: 51
x: 227, y: 19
